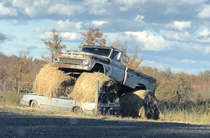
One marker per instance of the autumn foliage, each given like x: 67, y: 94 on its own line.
x: 53, y: 45
x: 93, y: 37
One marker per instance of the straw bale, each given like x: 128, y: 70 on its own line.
x: 137, y: 104
x: 85, y: 87
x: 52, y: 82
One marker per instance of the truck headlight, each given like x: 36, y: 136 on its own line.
x: 86, y: 62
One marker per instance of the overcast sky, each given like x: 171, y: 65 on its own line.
x: 171, y: 33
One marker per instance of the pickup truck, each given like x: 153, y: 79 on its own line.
x: 107, y: 60
x: 68, y: 104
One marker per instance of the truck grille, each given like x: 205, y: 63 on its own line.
x: 71, y: 61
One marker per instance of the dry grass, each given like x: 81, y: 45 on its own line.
x: 186, y: 117
x: 176, y: 117
x: 85, y: 86
x: 52, y: 82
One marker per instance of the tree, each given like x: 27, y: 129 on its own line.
x: 22, y: 71
x: 93, y: 37
x: 131, y: 60
x: 53, y: 45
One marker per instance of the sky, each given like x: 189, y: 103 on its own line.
x: 172, y: 34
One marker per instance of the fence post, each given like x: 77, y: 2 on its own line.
x: 96, y: 98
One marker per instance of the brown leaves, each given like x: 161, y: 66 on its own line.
x: 93, y: 37
x: 53, y: 45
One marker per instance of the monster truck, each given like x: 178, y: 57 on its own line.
x: 107, y: 60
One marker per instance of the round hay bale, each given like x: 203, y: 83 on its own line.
x: 52, y: 82
x: 85, y: 87
x: 141, y: 104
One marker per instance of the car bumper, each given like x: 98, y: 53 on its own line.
x: 24, y: 102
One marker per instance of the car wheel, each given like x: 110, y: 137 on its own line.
x: 34, y: 104
x: 78, y: 110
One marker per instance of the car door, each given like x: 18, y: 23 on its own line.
x: 117, y: 66
x: 66, y: 104
x: 50, y: 103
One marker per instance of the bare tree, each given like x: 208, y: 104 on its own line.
x: 53, y: 45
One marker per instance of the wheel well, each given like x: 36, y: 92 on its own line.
x: 140, y: 87
x: 98, y: 68
x: 30, y: 102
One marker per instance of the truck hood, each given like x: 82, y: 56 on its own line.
x: 76, y: 53
x: 82, y: 55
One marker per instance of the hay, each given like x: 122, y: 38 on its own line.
x: 52, y: 82
x: 138, y: 104
x: 85, y: 87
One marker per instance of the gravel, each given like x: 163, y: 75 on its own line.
x: 14, y: 125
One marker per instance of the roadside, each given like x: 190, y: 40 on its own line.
x: 24, y: 122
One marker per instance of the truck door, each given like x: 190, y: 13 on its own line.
x: 117, y: 66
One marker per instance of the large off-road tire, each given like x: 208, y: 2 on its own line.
x: 139, y: 104
x: 151, y: 106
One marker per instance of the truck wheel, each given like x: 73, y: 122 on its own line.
x: 151, y: 106
x: 34, y: 104
x: 78, y: 110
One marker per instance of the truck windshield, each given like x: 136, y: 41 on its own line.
x: 97, y: 51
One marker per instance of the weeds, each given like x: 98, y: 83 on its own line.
x: 188, y: 112
x: 11, y: 99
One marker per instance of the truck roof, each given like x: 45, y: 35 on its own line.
x: 104, y: 47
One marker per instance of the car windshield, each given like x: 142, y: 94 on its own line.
x: 97, y: 51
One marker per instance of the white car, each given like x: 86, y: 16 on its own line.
x: 67, y: 104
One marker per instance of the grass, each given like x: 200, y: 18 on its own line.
x: 185, y: 117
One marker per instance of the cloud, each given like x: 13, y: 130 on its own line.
x: 99, y: 23
x: 4, y: 11
x: 67, y: 10
x: 114, y: 38
x: 181, y: 25
x: 204, y: 32
x: 61, y: 26
x: 131, y: 2
x: 204, y: 13
x: 36, y: 8
x: 97, y: 7
x: 173, y: 35
x: 139, y: 18
x: 150, y: 41
x: 71, y: 36
x: 188, y: 61
x: 123, y: 9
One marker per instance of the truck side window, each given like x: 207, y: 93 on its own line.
x: 115, y: 55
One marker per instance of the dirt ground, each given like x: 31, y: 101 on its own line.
x: 27, y: 125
